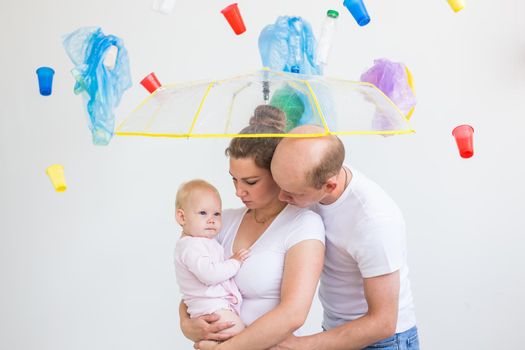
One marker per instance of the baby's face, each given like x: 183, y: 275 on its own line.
x: 202, y: 214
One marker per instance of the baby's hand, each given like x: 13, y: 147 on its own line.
x: 241, y: 255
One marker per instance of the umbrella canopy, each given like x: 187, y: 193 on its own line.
x: 222, y: 108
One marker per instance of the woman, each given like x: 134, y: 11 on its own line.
x: 279, y: 279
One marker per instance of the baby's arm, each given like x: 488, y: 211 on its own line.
x: 241, y: 255
x: 209, y: 269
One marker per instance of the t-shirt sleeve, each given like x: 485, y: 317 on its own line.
x: 307, y: 225
x: 379, y: 245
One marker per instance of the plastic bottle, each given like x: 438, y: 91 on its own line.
x: 325, y: 40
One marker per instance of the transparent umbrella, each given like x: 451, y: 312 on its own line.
x: 221, y: 108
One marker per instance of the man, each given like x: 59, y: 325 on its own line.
x: 364, y: 287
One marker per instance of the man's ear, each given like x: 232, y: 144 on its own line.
x: 179, y: 216
x: 330, y: 185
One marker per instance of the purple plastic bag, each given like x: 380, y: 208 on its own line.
x: 391, y: 78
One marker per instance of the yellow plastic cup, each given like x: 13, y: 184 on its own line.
x: 457, y: 5
x: 56, y: 174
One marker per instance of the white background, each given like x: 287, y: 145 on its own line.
x: 91, y: 268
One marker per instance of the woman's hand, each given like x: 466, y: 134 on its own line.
x: 205, y: 328
x: 206, y: 345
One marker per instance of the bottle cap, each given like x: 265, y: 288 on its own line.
x: 332, y: 13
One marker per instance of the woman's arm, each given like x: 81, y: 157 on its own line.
x: 204, y: 327
x: 302, y: 269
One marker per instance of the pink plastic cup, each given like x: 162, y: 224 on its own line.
x: 464, y: 139
x: 234, y: 18
x: 151, y: 83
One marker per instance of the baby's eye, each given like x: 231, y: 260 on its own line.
x: 202, y: 212
x: 217, y: 214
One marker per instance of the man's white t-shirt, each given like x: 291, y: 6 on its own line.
x: 365, y: 237
x: 259, y: 278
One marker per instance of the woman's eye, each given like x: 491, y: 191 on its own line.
x: 251, y: 183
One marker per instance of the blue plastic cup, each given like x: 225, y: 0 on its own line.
x: 358, y: 10
x: 45, y: 80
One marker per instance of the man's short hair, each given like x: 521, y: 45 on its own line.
x: 329, y: 165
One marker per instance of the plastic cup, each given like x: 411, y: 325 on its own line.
x: 358, y: 10
x: 464, y: 139
x: 45, y: 80
x: 457, y: 5
x: 56, y: 174
x: 151, y: 83
x: 234, y: 18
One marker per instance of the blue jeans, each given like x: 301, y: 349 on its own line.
x: 407, y: 340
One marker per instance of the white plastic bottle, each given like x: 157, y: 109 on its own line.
x: 325, y: 40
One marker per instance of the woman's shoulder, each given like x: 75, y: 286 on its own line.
x: 303, y: 214
x: 303, y: 224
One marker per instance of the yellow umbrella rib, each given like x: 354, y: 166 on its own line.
x: 323, y: 120
x: 230, y: 109
x: 200, y: 107
x: 125, y: 133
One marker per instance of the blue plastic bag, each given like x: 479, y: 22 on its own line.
x: 289, y: 45
x: 102, y: 87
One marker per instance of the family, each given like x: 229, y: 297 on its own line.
x: 248, y: 276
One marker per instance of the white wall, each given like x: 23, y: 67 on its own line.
x: 91, y: 268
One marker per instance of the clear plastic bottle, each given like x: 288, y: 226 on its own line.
x: 325, y: 40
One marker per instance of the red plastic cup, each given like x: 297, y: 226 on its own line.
x: 151, y: 83
x: 234, y: 18
x: 464, y: 139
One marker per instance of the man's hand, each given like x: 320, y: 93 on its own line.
x: 206, y: 327
x: 206, y: 345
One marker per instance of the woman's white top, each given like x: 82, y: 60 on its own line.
x: 259, y: 278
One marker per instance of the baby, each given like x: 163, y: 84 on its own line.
x: 203, y: 275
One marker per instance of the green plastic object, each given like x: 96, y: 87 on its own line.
x: 288, y: 100
x: 332, y: 13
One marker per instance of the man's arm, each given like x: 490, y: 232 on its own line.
x: 382, y: 296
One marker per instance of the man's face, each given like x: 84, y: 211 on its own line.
x: 294, y: 189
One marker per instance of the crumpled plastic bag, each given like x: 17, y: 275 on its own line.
x: 393, y: 80
x: 289, y: 45
x: 102, y: 87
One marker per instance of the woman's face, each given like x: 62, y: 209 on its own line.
x: 253, y: 185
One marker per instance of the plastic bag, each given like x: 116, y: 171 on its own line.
x: 393, y: 80
x: 102, y: 86
x: 289, y: 45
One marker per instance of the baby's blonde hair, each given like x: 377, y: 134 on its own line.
x: 188, y: 187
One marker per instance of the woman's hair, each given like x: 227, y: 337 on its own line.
x: 266, y: 120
